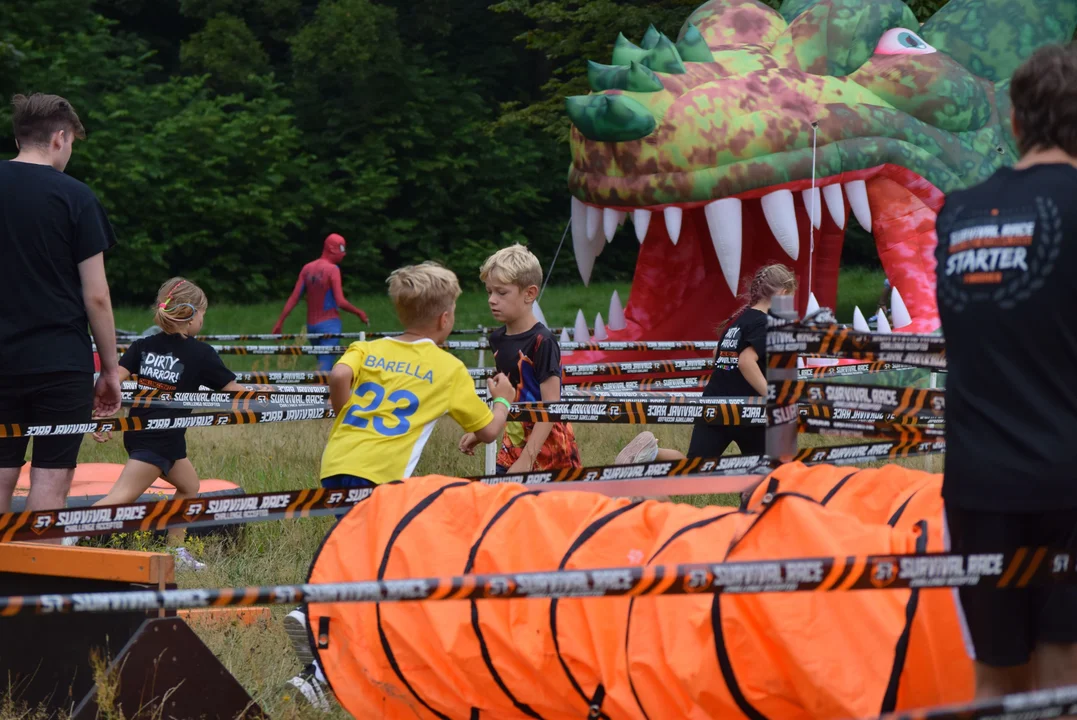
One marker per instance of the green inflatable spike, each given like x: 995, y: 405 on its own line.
x: 642, y: 79
x: 625, y: 51
x: 692, y: 47
x: 607, y: 77
x: 664, y: 58
x: 609, y: 118
x: 650, y: 38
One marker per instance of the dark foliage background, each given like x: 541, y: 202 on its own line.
x: 228, y: 137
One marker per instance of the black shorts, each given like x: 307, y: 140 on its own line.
x: 60, y: 398
x: 340, y: 482
x: 163, y: 461
x: 1003, y: 627
x: 711, y: 441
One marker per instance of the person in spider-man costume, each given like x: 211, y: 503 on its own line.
x: 320, y: 280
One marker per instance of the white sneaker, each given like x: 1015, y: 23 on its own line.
x: 308, y: 687
x: 295, y: 625
x: 70, y: 540
x: 186, y: 561
x: 642, y: 449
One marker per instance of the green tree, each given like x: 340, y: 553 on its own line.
x: 207, y: 185
x: 227, y: 50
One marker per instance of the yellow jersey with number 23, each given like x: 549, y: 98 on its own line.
x: 399, y: 391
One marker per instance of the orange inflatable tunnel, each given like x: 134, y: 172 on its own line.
x: 790, y: 655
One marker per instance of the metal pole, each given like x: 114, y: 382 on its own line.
x: 491, y: 448
x: 781, y: 442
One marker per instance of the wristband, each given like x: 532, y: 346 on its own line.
x: 503, y: 401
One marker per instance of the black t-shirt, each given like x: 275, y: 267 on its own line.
x: 528, y: 359
x: 171, y: 363
x: 49, y: 223
x: 748, y: 330
x: 1007, y: 295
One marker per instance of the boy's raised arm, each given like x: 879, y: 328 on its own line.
x: 340, y: 386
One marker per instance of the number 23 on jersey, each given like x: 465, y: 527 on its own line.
x: 389, y: 415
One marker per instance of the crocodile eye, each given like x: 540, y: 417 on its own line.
x: 900, y: 41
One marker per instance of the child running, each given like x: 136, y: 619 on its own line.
x: 388, y: 394
x: 740, y: 364
x: 527, y: 352
x: 170, y: 361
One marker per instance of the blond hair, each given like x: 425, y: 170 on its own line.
x: 514, y: 265
x: 767, y: 282
x: 178, y: 301
x: 420, y: 293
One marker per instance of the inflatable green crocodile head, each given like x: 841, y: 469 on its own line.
x: 752, y: 137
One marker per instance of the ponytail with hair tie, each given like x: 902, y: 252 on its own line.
x: 768, y: 281
x: 167, y: 315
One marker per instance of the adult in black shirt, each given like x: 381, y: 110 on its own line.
x: 740, y: 368
x: 53, y: 234
x: 1007, y: 259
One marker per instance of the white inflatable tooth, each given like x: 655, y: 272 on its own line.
x: 898, y: 311
x: 813, y: 305
x: 581, y: 241
x: 538, y: 314
x: 673, y: 217
x: 882, y: 325
x: 782, y: 218
x: 609, y: 223
x: 565, y: 339
x: 835, y: 203
x: 600, y: 329
x: 617, y: 313
x: 641, y: 219
x: 580, y: 333
x: 724, y: 221
x: 814, y: 205
x: 594, y: 221
x: 860, y: 323
x: 857, y: 190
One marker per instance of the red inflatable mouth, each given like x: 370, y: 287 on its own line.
x: 683, y: 290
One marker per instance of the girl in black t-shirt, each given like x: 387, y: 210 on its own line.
x: 740, y: 364
x: 170, y: 361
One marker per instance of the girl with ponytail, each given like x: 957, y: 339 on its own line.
x: 170, y: 361
x: 740, y: 364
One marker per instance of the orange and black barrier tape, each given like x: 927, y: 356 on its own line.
x: 1024, y: 567
x: 1036, y: 705
x: 221, y: 400
x: 900, y: 402
x: 785, y: 343
x: 605, y: 346
x: 904, y: 431
x: 688, y: 411
x: 214, y: 511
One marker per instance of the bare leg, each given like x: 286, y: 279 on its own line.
x: 185, y: 478
x: 993, y: 682
x: 49, y: 487
x: 1055, y: 666
x: 667, y: 455
x: 136, y: 478
x: 9, y: 478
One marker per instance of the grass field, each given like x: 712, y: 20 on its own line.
x: 276, y: 457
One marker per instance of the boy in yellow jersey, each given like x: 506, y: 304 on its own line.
x: 387, y: 394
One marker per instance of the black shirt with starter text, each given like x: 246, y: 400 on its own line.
x: 49, y: 223
x: 1007, y: 295
x: 170, y: 363
x: 748, y: 330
